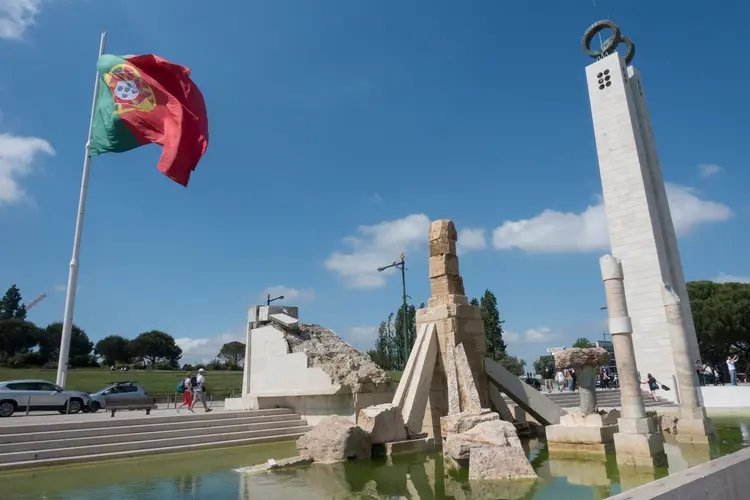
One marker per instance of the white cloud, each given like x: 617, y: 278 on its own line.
x: 567, y: 232
x: 532, y: 335
x: 375, y: 246
x: 731, y: 278
x: 16, y: 16
x: 290, y: 294
x: 17, y: 155
x: 362, y: 337
x: 471, y: 239
x: 376, y: 198
x: 203, y: 350
x: 709, y: 169
x: 61, y: 288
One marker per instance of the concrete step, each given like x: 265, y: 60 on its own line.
x: 153, y: 427
x: 43, y: 424
x: 174, y: 434
x: 180, y: 448
x: 95, y: 448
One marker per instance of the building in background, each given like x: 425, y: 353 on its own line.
x: 609, y: 347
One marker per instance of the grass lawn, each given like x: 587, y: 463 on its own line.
x: 220, y: 384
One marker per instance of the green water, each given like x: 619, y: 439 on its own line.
x: 210, y: 476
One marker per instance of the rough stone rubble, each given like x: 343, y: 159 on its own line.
x: 344, y: 363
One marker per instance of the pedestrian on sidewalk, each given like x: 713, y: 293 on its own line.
x: 731, y: 360
x: 199, y: 390
x: 699, y: 371
x: 653, y: 385
x: 187, y: 393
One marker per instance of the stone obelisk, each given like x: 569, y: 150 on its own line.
x: 456, y: 322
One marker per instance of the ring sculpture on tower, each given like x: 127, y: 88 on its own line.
x: 609, y: 46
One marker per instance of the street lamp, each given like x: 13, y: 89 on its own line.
x: 402, y: 266
x: 269, y: 299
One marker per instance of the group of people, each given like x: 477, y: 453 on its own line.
x: 716, y: 373
x: 193, y: 390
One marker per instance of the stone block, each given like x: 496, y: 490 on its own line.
x: 450, y: 284
x: 636, y: 425
x: 491, y: 433
x: 580, y: 434
x: 335, y: 439
x: 499, y: 462
x: 463, y: 422
x: 442, y: 246
x: 695, y: 430
x: 466, y: 386
x: 578, y: 419
x: 443, y: 265
x: 451, y: 378
x: 383, y: 422
x: 639, y: 450
x: 443, y: 228
x: 435, y: 314
x: 447, y: 299
x: 422, y: 445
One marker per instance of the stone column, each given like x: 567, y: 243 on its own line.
x: 586, y: 376
x: 693, y: 425
x: 637, y: 442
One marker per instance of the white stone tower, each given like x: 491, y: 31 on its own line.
x: 641, y: 231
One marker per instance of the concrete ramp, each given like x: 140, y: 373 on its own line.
x: 532, y: 401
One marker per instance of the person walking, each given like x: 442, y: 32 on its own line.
x: 699, y: 371
x: 731, y: 360
x: 653, y: 385
x: 199, y: 390
x: 187, y: 392
x: 560, y: 381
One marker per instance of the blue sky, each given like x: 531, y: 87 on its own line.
x: 338, y: 130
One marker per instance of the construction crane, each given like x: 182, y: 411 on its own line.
x: 36, y: 301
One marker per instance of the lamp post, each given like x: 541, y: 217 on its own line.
x: 269, y: 299
x: 402, y: 266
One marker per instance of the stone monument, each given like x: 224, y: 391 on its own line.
x: 641, y: 231
x: 637, y: 442
x: 587, y: 431
x: 640, y: 224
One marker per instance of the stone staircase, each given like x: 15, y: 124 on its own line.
x: 605, y: 398
x: 50, y: 443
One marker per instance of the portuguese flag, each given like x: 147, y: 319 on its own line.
x: 146, y: 99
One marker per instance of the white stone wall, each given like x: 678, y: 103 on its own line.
x: 640, y: 225
x: 275, y: 371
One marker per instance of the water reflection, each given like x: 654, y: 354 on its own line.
x: 210, y: 476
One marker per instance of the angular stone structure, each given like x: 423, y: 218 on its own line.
x: 640, y: 225
x: 456, y: 322
x: 637, y: 443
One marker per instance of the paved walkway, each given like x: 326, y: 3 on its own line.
x: 43, y: 417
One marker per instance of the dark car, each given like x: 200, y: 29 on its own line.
x: 533, y: 383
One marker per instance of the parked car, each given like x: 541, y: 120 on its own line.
x: 39, y: 395
x: 113, y: 392
x: 533, y: 382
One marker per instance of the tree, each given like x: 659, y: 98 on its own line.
x: 583, y: 342
x: 402, y: 354
x: 11, y: 305
x: 17, y: 336
x: 543, y: 363
x: 721, y: 314
x: 233, y: 353
x: 474, y: 302
x: 113, y: 349
x: 493, y: 326
x: 155, y: 346
x: 49, y: 344
x: 385, y: 345
x: 513, y: 364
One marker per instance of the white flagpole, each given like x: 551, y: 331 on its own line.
x: 70, y: 295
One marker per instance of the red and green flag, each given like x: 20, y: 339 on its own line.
x: 146, y: 99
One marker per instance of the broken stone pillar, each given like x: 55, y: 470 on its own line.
x: 637, y: 443
x: 693, y: 425
x: 584, y: 432
x: 456, y: 322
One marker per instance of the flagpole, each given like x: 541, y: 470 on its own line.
x: 70, y: 294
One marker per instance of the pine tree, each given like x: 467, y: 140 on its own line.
x: 11, y: 305
x: 493, y: 326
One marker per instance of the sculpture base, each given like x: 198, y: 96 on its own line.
x: 695, y: 430
x: 640, y: 450
x: 575, y: 441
